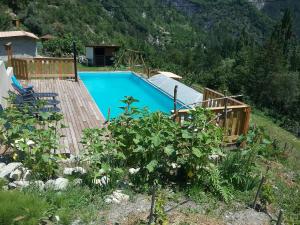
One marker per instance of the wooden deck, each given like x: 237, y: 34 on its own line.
x: 79, y: 110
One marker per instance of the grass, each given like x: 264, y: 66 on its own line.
x: 282, y: 136
x: 82, y: 67
x: 75, y: 203
x: 285, y: 172
x: 22, y: 208
x: 31, y: 206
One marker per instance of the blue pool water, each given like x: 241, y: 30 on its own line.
x: 108, y: 88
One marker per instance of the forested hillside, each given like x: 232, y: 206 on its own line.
x: 275, y: 10
x: 224, y: 44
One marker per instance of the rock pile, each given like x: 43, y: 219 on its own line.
x: 116, y: 197
x: 19, y: 176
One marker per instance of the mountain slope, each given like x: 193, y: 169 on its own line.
x: 275, y: 10
x: 152, y: 21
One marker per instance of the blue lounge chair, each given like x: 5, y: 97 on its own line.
x: 33, y: 105
x: 31, y: 94
x: 19, y: 99
x: 19, y: 85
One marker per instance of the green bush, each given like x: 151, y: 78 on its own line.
x: 33, y: 140
x: 147, y: 148
x: 21, y: 208
x: 63, y: 46
x: 240, y: 168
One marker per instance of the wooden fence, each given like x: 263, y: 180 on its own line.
x: 232, y: 115
x: 31, y: 68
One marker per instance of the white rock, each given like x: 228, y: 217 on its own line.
x: 18, y: 184
x: 77, y: 182
x: 115, y: 200
x: 50, y: 184
x: 133, y: 170
x: 21, y: 183
x: 120, y: 196
x: 27, y: 175
x: 71, y: 171
x: 68, y: 171
x: 58, y: 184
x: 57, y: 218
x: 61, y: 183
x: 12, y: 185
x: 38, y: 184
x: 108, y: 200
x: 80, y: 170
x: 104, y: 181
x: 101, y: 182
x: 2, y: 165
x: 116, y: 197
x: 9, y: 168
x: 16, y: 174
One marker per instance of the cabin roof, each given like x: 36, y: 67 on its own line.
x: 103, y: 46
x: 21, y: 33
x: 47, y: 37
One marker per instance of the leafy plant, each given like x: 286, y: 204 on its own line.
x: 101, y: 154
x: 267, y: 194
x: 63, y: 46
x: 151, y: 147
x: 240, y: 168
x: 33, y: 140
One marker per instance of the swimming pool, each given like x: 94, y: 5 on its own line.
x: 109, y: 88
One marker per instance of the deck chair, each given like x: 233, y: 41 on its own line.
x: 21, y: 100
x: 31, y: 94
x: 17, y: 83
x: 33, y: 107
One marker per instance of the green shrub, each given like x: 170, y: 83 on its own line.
x: 21, y: 208
x: 239, y: 170
x: 33, y: 140
x: 147, y: 148
x: 63, y: 46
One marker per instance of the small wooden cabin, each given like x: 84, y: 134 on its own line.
x: 101, y: 55
x: 24, y: 44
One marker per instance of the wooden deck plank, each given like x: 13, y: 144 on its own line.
x: 79, y: 110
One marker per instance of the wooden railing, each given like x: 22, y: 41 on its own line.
x: 20, y: 68
x: 30, y: 68
x: 234, y: 120
x: 213, y: 98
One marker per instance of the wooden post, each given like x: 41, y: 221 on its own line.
x: 258, y: 191
x: 152, y: 205
x: 247, y: 120
x: 280, y: 217
x: 175, y: 102
x: 108, y: 115
x: 8, y: 48
x: 225, y: 114
x: 75, y: 61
